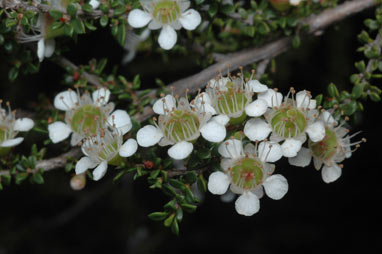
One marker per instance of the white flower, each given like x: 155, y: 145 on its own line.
x: 94, y: 3
x: 84, y: 116
x: 232, y: 97
x: 295, y: 2
x: 288, y: 120
x: 102, y: 149
x: 42, y: 31
x: 10, y: 127
x: 330, y: 151
x: 132, y: 42
x: 179, y: 125
x: 247, y: 171
x: 170, y: 15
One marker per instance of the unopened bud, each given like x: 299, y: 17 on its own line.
x: 78, y: 182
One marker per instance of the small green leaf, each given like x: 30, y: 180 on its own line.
x: 332, y: 90
x: 158, y: 216
x: 13, y: 73
x: 319, y: 99
x: 189, y: 208
x: 20, y: 178
x: 357, y: 91
x: 374, y: 97
x: 72, y: 9
x: 87, y: 8
x: 37, y: 178
x: 175, y: 227
x: 55, y: 14
x: 104, y: 20
x: 78, y: 26
x: 169, y: 220
x: 213, y: 9
x: 296, y: 42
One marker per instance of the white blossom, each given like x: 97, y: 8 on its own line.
x: 179, y: 125
x: 102, y: 149
x: 167, y: 15
x: 329, y: 152
x: 10, y: 127
x: 85, y: 115
x: 246, y: 172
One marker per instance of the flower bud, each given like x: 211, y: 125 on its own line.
x: 78, y: 182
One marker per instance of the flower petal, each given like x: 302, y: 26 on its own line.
x: 218, y: 183
x: 256, y: 129
x: 221, y: 119
x: 101, y: 96
x: 120, y: 120
x: 256, y: 108
x: 256, y: 87
x: 58, y: 131
x: 154, y: 25
x: 50, y: 45
x: 128, y: 148
x: 65, y: 100
x: 190, y: 19
x: 231, y: 148
x: 316, y: 131
x: 303, y: 100
x: 167, y: 37
x: 276, y: 186
x: 94, y: 3
x: 167, y: 103
x: 76, y: 138
x: 247, y: 204
x: 23, y: 124
x: 327, y: 118
x: 273, y: 98
x: 12, y: 142
x: 180, y: 150
x: 291, y: 147
x: 149, y: 136
x: 84, y: 164
x: 270, y: 151
x: 259, y: 192
x: 40, y: 49
x: 331, y: 174
x: 100, y: 171
x: 213, y: 132
x: 138, y: 18
x: 302, y: 159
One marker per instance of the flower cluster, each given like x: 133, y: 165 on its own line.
x: 265, y: 126
x: 91, y: 123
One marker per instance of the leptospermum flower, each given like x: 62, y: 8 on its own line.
x: 247, y: 172
x: 102, y: 149
x: 43, y: 32
x: 232, y: 97
x: 289, y: 121
x: 332, y: 150
x: 170, y: 15
x: 179, y: 125
x: 10, y: 127
x: 85, y: 116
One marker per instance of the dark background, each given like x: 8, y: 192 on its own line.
x: 314, y: 217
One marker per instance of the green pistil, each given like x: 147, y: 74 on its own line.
x: 87, y: 120
x: 181, y: 126
x: 288, y: 122
x: 326, y: 148
x: 247, y: 173
x: 166, y: 11
x: 231, y: 102
x: 111, y: 148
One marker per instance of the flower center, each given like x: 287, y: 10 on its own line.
x: 232, y: 101
x: 247, y: 173
x: 4, y: 133
x: 110, y: 153
x: 288, y: 122
x: 87, y: 119
x: 182, y: 125
x: 166, y: 11
x: 326, y: 148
